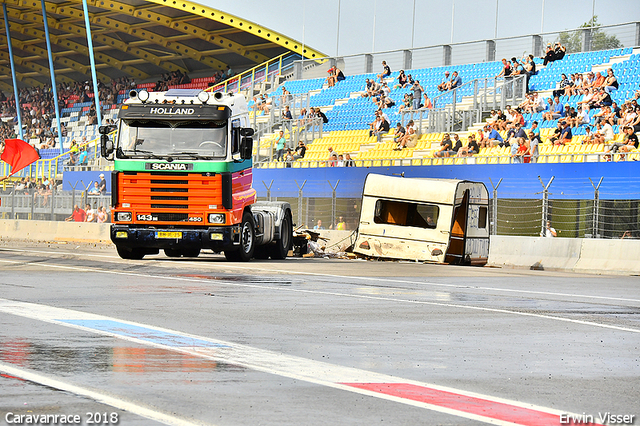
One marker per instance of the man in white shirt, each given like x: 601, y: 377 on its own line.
x: 549, y: 231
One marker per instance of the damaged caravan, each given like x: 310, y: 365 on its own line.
x: 435, y: 220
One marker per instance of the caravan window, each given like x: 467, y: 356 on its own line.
x: 406, y: 214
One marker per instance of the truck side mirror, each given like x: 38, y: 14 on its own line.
x: 106, y: 146
x: 247, y: 131
x: 246, y: 148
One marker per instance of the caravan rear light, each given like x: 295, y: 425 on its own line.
x: 365, y: 245
x: 436, y: 252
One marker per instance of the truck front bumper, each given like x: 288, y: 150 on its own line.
x: 217, y: 238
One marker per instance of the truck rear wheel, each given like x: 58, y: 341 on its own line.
x: 247, y: 241
x: 280, y: 249
x: 169, y: 252
x: 135, y: 253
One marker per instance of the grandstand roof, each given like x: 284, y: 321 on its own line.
x: 135, y: 38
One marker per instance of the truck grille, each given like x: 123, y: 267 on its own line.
x: 167, y: 195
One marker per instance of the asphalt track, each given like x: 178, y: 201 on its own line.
x: 310, y: 342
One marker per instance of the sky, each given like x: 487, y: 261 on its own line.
x: 316, y: 22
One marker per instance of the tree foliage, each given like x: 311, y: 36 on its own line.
x: 600, y: 40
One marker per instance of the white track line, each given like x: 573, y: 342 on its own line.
x: 331, y: 293
x: 35, y: 377
x: 343, y: 277
x: 294, y: 367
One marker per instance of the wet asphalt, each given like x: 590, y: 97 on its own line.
x: 558, y: 340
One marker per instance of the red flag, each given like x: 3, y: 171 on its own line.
x: 18, y: 154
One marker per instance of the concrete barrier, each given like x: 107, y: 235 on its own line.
x: 612, y: 256
x: 534, y: 252
x: 42, y: 230
x: 588, y: 255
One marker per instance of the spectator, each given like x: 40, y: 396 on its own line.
x: 523, y: 150
x: 611, y: 82
x: 565, y: 135
x: 348, y: 162
x: 301, y: 150
x: 445, y: 146
x: 322, y: 115
x: 471, y: 148
x: 514, y: 154
x: 95, y: 190
x: 402, y: 80
x: 78, y: 215
x: 549, y: 56
x: 331, y: 153
x: 455, y: 82
x: 102, y: 215
x: 555, y: 111
x: 427, y: 102
x: 398, y: 134
x: 90, y: 214
x: 102, y: 184
x: 407, y: 102
x: 288, y: 158
x: 534, y: 143
x: 506, y: 69
x: 340, y: 161
x: 417, y: 94
x: 493, y: 137
x: 559, y: 51
x: 333, y: 160
x: 549, y: 231
x: 562, y: 86
x: 382, y: 128
x: 386, y: 71
x: 287, y: 118
x: 318, y: 226
x: 443, y: 85
x: 341, y: 225
x: 83, y: 158
x: 280, y: 144
x: 410, y: 137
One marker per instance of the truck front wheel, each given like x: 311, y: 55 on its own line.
x: 247, y: 241
x: 135, y: 253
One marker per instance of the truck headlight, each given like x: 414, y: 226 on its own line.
x: 123, y: 217
x: 216, y: 218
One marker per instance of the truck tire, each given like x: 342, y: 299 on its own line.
x: 247, y: 241
x: 191, y: 252
x: 169, y: 252
x: 280, y: 249
x: 135, y: 253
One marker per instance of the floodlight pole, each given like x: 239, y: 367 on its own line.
x: 96, y: 93
x: 54, y: 90
x: 13, y: 71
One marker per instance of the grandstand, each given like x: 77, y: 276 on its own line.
x: 350, y: 114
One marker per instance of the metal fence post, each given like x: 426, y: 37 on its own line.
x: 13, y: 203
x: 494, y: 213
x: 333, y: 201
x: 596, y: 207
x: 268, y: 189
x: 300, y: 187
x: 545, y: 203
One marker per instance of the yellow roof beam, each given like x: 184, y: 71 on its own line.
x: 108, y: 42
x: 154, y: 38
x: 243, y: 25
x: 85, y: 69
x: 37, y: 68
x: 79, y: 48
x: 6, y: 73
x: 179, y: 25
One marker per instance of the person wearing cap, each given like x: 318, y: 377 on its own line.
x: 443, y: 86
x: 102, y: 185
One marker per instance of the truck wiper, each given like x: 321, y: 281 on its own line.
x: 190, y: 154
x: 149, y: 154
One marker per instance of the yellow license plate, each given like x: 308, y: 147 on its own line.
x: 170, y: 235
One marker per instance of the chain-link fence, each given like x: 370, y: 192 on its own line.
x: 602, y: 207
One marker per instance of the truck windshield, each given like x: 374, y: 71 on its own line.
x: 144, y: 138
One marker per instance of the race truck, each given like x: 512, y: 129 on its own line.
x: 182, y: 179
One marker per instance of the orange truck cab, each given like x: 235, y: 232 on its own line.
x: 182, y: 179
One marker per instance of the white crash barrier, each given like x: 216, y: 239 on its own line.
x: 574, y: 254
x: 42, y: 230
